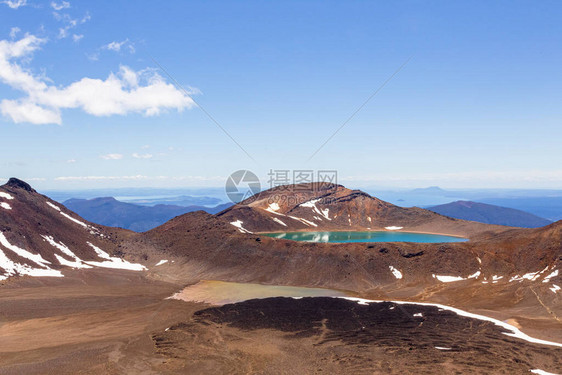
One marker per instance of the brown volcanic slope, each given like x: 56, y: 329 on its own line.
x: 40, y: 237
x: 313, y: 207
x: 114, y: 321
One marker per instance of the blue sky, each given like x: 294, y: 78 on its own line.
x: 478, y: 105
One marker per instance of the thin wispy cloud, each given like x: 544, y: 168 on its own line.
x: 14, y: 4
x: 77, y: 37
x: 14, y: 32
x: 69, y: 22
x: 142, y: 156
x: 118, y: 46
x: 112, y: 156
x: 121, y: 93
x: 60, y: 6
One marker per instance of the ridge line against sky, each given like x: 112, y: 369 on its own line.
x: 82, y: 106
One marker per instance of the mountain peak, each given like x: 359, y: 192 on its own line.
x: 19, y: 184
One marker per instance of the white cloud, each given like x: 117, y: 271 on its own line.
x: 117, y: 46
x: 112, y: 156
x: 60, y: 6
x: 69, y: 23
x: 14, y: 31
x: 76, y: 37
x: 70, y: 161
x: 142, y: 156
x: 121, y: 93
x: 15, y: 4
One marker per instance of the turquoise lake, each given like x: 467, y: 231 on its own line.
x: 343, y: 237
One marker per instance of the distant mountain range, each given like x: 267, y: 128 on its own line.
x: 489, y: 214
x: 139, y: 218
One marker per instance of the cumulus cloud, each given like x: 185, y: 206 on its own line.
x: 76, y: 37
x: 112, y: 156
x: 14, y: 4
x: 60, y: 6
x: 142, y: 156
x: 121, y: 93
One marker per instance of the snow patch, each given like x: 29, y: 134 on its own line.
x: 447, y: 279
x: 542, y: 372
x: 393, y: 228
x: 161, y: 262
x: 442, y: 348
x: 77, y: 263
x: 12, y: 269
x: 304, y: 221
x: 273, y: 208
x: 474, y: 275
x: 5, y: 205
x: 553, y: 274
x: 68, y: 216
x: 279, y: 221
x: 5, y: 195
x: 74, y: 220
x: 555, y: 288
x: 312, y: 204
x: 36, y: 258
x: 395, y: 272
x: 419, y: 315
x: 54, y: 206
x: 113, y: 262
x: 238, y: 224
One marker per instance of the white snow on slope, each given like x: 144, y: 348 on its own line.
x: 238, y: 224
x: 273, y: 208
x: 442, y: 348
x: 5, y: 205
x: 528, y: 276
x: 279, y: 221
x: 312, y: 204
x: 36, y: 258
x: 555, y: 288
x: 161, y: 262
x: 114, y: 262
x: 553, y: 274
x: 11, y: 268
x: 474, y: 275
x: 542, y: 372
x: 395, y: 272
x: 68, y: 216
x: 54, y: 206
x: 5, y: 195
x: 73, y: 219
x: 76, y: 263
x: 393, y: 228
x: 515, y: 332
x: 419, y: 315
x: 447, y: 279
x: 304, y: 221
